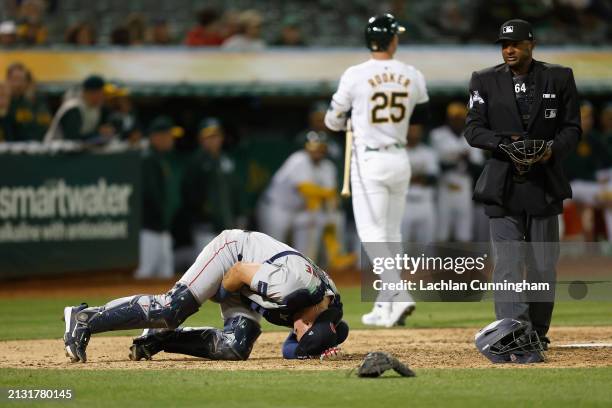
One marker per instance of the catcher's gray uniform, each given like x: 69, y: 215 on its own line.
x: 285, y: 283
x: 274, y: 280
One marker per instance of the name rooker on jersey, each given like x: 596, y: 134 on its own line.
x: 390, y: 77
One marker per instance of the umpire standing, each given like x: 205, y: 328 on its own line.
x: 523, y: 99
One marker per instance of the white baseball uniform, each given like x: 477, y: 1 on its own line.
x: 455, y: 205
x: 381, y: 95
x: 282, y: 207
x: 419, y: 221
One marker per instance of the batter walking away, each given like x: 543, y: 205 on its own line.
x: 251, y: 275
x: 383, y: 96
x: 532, y: 105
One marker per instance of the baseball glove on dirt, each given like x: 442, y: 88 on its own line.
x: 525, y: 153
x: 376, y: 363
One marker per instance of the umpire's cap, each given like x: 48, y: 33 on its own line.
x: 380, y: 31
x: 515, y: 30
x: 327, y: 331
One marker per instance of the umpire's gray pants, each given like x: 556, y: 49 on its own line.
x: 527, y: 248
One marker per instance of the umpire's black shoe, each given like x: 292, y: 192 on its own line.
x: 149, y: 343
x: 545, y: 342
x: 77, y: 334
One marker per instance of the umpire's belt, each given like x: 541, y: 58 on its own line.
x: 384, y: 148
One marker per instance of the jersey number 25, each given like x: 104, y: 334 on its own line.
x: 387, y: 101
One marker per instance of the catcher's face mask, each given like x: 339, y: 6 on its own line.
x: 525, y: 153
x: 505, y: 338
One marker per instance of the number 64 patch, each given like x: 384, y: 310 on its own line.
x: 550, y: 113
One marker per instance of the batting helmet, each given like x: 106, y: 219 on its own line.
x: 509, y: 340
x: 380, y: 31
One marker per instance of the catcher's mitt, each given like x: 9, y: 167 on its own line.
x: 376, y: 363
x: 525, y: 153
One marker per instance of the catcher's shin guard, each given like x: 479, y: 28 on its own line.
x: 141, y: 311
x: 234, y: 342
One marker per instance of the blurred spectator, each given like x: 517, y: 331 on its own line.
x: 133, y: 32
x: 137, y: 29
x: 28, y: 111
x: 453, y: 22
x: 83, y: 117
x: 120, y: 36
x: 159, y: 33
x: 455, y: 205
x: 412, y: 15
x: 156, y: 257
x: 248, y: 37
x: 123, y: 116
x: 8, y: 34
x: 593, y: 30
x: 82, y: 34
x: 206, y: 31
x: 490, y: 15
x: 5, y: 102
x: 30, y: 27
x: 230, y: 24
x: 290, y: 35
x: 212, y: 192
x: 605, y: 122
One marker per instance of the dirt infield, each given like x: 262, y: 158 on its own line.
x: 420, y: 348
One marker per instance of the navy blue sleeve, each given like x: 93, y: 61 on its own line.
x: 290, y: 346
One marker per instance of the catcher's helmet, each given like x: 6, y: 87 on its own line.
x: 509, y: 340
x: 380, y: 31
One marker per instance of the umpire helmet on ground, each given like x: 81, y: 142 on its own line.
x: 380, y: 31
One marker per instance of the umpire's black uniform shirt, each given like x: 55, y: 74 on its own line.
x: 549, y: 110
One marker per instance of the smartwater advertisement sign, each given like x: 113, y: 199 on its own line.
x: 68, y: 212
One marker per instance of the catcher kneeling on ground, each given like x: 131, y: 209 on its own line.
x: 250, y: 275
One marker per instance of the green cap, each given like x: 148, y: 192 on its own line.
x: 163, y: 124
x: 209, y: 126
x: 93, y: 83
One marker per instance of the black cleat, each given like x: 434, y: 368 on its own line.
x: 545, y: 342
x: 77, y: 334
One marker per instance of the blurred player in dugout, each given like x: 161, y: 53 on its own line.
x: 419, y: 220
x: 156, y: 257
x: 589, y: 169
x: 211, y: 190
x: 455, y: 206
x: 26, y: 114
x: 302, y: 200
x: 82, y: 117
x: 123, y: 116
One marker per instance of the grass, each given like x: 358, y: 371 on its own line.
x: 465, y: 388
x: 40, y: 318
